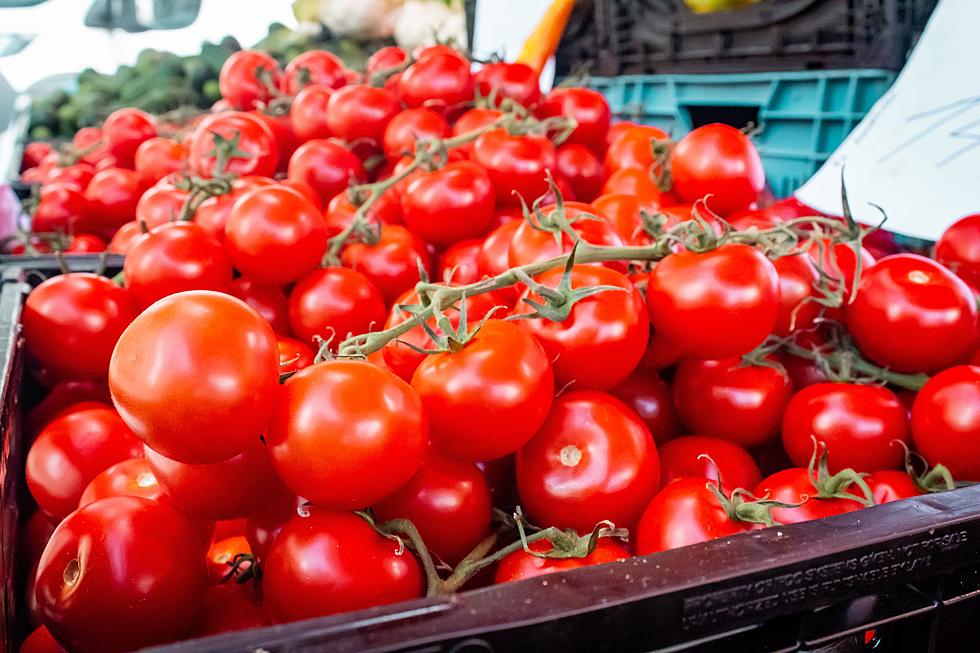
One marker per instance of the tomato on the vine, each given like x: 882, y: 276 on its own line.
x: 522, y: 565
x: 322, y: 67
x: 410, y: 126
x: 158, y: 157
x: 439, y: 79
x: 247, y: 78
x: 959, y: 249
x: 720, y: 161
x: 633, y: 148
x: 700, y: 456
x: 460, y: 262
x: 308, y: 113
x: 161, y: 204
x: 531, y: 244
x: 61, y: 207
x: 650, y: 397
x: 515, y: 81
x: 946, y: 421
x: 334, y: 302
x: 794, y: 485
x: 797, y: 311
x: 254, y: 138
x: 269, y: 300
x: 391, y: 264
x: 517, y: 164
x: 583, y: 170
x: 113, y: 195
x: 326, y: 166
x: 588, y: 108
x: 451, y: 204
x: 361, y: 112
x: 293, y: 355
x: 889, y: 485
x: 124, y: 130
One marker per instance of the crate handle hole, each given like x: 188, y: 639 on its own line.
x: 736, y: 116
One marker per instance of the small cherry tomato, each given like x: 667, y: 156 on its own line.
x: 322, y: 67
x: 959, y: 249
x: 515, y: 81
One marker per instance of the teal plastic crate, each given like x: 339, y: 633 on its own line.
x: 803, y: 116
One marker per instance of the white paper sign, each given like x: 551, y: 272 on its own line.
x: 502, y: 26
x: 917, y: 152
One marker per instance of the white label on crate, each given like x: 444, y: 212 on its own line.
x: 917, y: 152
x: 501, y: 26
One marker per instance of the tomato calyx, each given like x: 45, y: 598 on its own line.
x: 835, y: 486
x: 451, y: 339
x: 935, y: 479
x: 741, y: 505
x: 243, y: 567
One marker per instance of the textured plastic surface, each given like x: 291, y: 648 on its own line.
x: 803, y: 116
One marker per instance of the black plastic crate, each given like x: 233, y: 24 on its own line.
x: 898, y: 578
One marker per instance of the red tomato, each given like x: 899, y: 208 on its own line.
x: 262, y: 526
x: 448, y: 501
x: 61, y: 208
x: 334, y: 302
x: 410, y: 126
x: 793, y: 485
x: 604, y: 336
x: 635, y: 182
x: 323, y: 68
x: 274, y: 235
x: 471, y: 121
x: 797, y: 275
x: 64, y: 397
x: 329, y: 562
x: 391, y: 264
x: 113, y: 195
x: 158, y: 157
x: 85, y: 581
x: 517, y: 165
x: 124, y: 238
x: 161, y: 204
x: 913, y: 315
x: 124, y: 131
x: 633, y: 148
x: 724, y: 399
x: 247, y: 78
x: 515, y: 81
x: 587, y: 108
x: 459, y: 263
x: 40, y: 641
x: 196, y: 362
x: 293, y: 355
x: 85, y: 244
x: 892, y: 485
x: 493, y: 258
x: 228, y: 607
x: 522, y: 565
x: 440, y: 80
x: 721, y: 303
x: 839, y: 261
x: 363, y: 416
x: 129, y: 478
x: 650, y: 397
x: 281, y: 127
x: 386, y: 209
x: 582, y: 168
x: 35, y: 151
x: 593, y: 460
x: 326, y: 166
x: 959, y: 249
x: 720, y: 161
x: 451, y: 204
x: 255, y: 138
x: 270, y: 302
x: 623, y: 211
x: 531, y: 244
x: 72, y: 322
x: 946, y: 421
x: 684, y: 457
x: 361, y: 112
x: 308, y: 113
x: 386, y: 58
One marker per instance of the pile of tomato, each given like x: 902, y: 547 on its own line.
x: 372, y: 328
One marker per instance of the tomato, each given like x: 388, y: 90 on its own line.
x: 583, y: 169
x: 959, y: 249
x: 890, y: 485
x: 650, y: 397
x: 124, y: 237
x: 698, y: 456
x: 839, y: 261
x: 440, y: 80
x: 279, y: 123
x: 78, y: 174
x: 522, y: 565
x: 228, y: 607
x: 410, y: 126
x: 274, y: 235
x: 34, y: 152
x: 40, y: 641
x: 489, y: 398
x: 623, y: 211
x: 531, y: 244
x: 161, y: 204
x: 329, y: 562
x: 721, y: 303
x: 634, y: 148
x: 912, y: 315
x: 270, y: 302
x: 517, y: 165
x: 493, y: 258
x: 724, y: 399
x: 113, y: 195
x: 604, y: 336
x: 263, y: 525
x: 85, y: 581
x: 72, y: 322
x: 587, y: 108
x: 720, y: 161
x: 60, y: 208
x: 448, y: 501
x: 459, y: 263
x: 793, y: 485
x: 391, y: 264
x: 37, y: 531
x: 129, y: 478
x: 471, y: 121
x: 323, y: 68
x: 386, y: 209
x: 196, y: 362
x: 85, y: 244
x: 326, y: 166
x: 158, y: 157
x: 308, y: 113
x: 946, y: 421
x: 212, y: 214
x: 635, y: 182
x: 451, y: 204
x: 334, y: 302
x: 247, y: 78
x: 124, y: 131
x: 293, y: 355
x: 386, y: 58
x: 797, y: 275
x: 514, y: 81
x: 592, y: 460
x: 254, y: 137
x: 361, y: 112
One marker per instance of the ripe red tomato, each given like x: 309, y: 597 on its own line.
x: 592, y: 460
x: 85, y: 244
x: 64, y: 397
x: 388, y: 57
x: 650, y: 397
x: 959, y: 249
x: 78, y: 174
x: 531, y: 244
x: 913, y: 315
x: 470, y: 122
x: 459, y: 262
x: 247, y: 78
x: 366, y: 417
x: 326, y: 166
x: 158, y: 157
x: 323, y: 68
x: 516, y: 164
x: 499, y: 385
x: 946, y: 421
x: 440, y: 80
x: 274, y: 235
x: 270, y: 302
x: 583, y: 170
x: 129, y: 478
x: 451, y: 204
x: 793, y: 485
x: 720, y: 161
x: 113, y: 195
x: 124, y: 131
x: 604, y: 336
x: 229, y: 607
x: 72, y: 322
x: 448, y: 501
x: 391, y: 264
x: 293, y: 355
x: 522, y: 565
x: 493, y: 258
x: 683, y: 458
x: 71, y: 451
x: 196, y: 362
x: 361, y: 112
x: 61, y: 208
x: 797, y: 275
x: 85, y: 581
x: 623, y: 211
x: 515, y: 81
x: 124, y: 238
x: 890, y: 485
x: 308, y: 113
x: 279, y: 123
x: 587, y: 108
x: 330, y: 561
x: 37, y: 531
x: 255, y: 138
x: 410, y: 126
x: 161, y: 204
x: 334, y: 302
x: 637, y: 183
x: 724, y: 399
x: 721, y: 303
x: 633, y: 147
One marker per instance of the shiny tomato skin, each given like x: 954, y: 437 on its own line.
x: 592, y: 460
x: 650, y: 397
x: 113, y: 195
x: 493, y: 256
x: 293, y: 355
x: 390, y: 56
x: 386, y: 209
x: 158, y: 157
x: 797, y: 275
x: 269, y: 300
x: 890, y: 485
x: 330, y: 562
x: 255, y: 138
x: 326, y: 166
x: 635, y: 182
x: 41, y: 641
x: 471, y: 121
x: 334, y: 302
x: 912, y: 315
x: 588, y: 108
x: 85, y: 580
x: 623, y: 211
x: 335, y: 419
x: 308, y: 113
x: 946, y: 421
x: 516, y: 164
x: 959, y: 249
x: 530, y: 244
x: 196, y: 362
x: 129, y: 478
x: 583, y: 170
x: 451, y: 204
x: 77, y: 174
x: 324, y: 68
x: 448, y: 500
x: 159, y: 205
x: 793, y: 485
x: 223, y: 551
x: 72, y: 322
x: 71, y: 451
x: 515, y: 81
x: 240, y: 79
x: 409, y: 126
x: 62, y: 207
x: 602, y: 340
x: 633, y: 147
x: 489, y: 398
x: 356, y: 112
x: 86, y: 244
x: 391, y: 264
x: 717, y: 304
x: 682, y: 458
x: 522, y: 565
x: 720, y: 161
x: 124, y: 130
x: 724, y: 399
x: 439, y: 80
x: 459, y: 263
x: 839, y: 261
